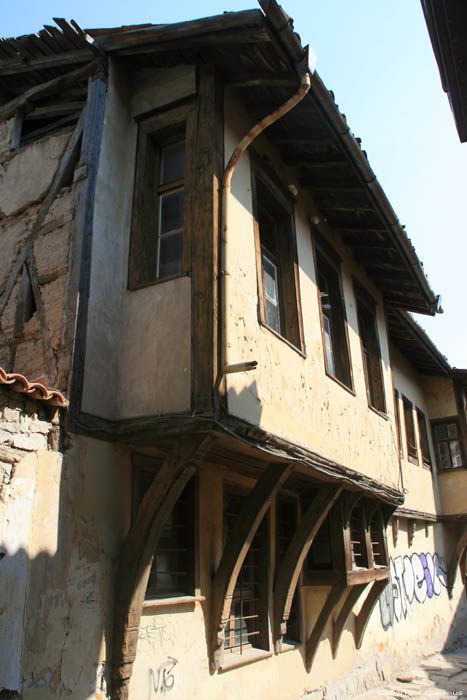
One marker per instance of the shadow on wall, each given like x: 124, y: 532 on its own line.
x: 55, y: 606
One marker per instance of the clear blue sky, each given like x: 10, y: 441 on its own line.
x: 377, y: 58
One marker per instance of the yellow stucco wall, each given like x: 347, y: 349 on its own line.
x: 453, y: 491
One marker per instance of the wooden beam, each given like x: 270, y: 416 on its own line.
x: 51, y: 87
x: 236, y: 549
x: 353, y: 595
x: 301, y: 141
x: 312, y: 164
x: 62, y: 174
x: 291, y: 566
x: 204, y: 189
x: 332, y: 601
x: 47, y: 349
x: 17, y: 66
x: 363, y: 617
x: 248, y: 80
x: 55, y: 110
x: 138, y: 550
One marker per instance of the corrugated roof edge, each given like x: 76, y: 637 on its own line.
x: 34, y: 390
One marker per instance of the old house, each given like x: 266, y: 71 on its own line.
x: 258, y: 487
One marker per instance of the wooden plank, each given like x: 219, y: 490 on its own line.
x: 19, y: 66
x: 62, y: 174
x: 47, y: 348
x: 363, y: 617
x: 55, y: 110
x: 332, y: 601
x: 203, y: 230
x: 353, y: 595
x: 50, y: 87
x: 137, y: 554
x: 236, y: 549
x: 78, y: 291
x: 291, y: 566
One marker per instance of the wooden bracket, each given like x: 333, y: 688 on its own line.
x: 361, y: 621
x: 350, y: 501
x: 458, y: 555
x: 353, y: 595
x: 332, y: 601
x: 255, y: 506
x: 291, y: 566
x: 410, y: 532
x: 395, y: 530
x: 138, y: 553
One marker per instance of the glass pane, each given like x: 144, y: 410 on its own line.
x: 444, y: 455
x: 270, y: 279
x: 328, y: 346
x: 170, y: 255
x: 455, y: 454
x: 452, y: 430
x: 171, y: 212
x: 441, y: 432
x: 273, y: 316
x: 172, y: 162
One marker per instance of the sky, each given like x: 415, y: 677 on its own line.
x: 377, y: 58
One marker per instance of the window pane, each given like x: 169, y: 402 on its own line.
x: 270, y: 279
x: 441, y: 431
x: 455, y: 453
x: 272, y: 316
x: 172, y: 162
x: 444, y: 455
x: 171, y: 216
x: 170, y: 255
x: 328, y: 345
x: 452, y: 430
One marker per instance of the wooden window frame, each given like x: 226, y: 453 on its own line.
x: 411, y: 446
x: 324, y: 255
x: 371, y: 349
x: 144, y: 464
x: 397, y: 415
x: 265, y: 186
x: 154, y: 133
x: 440, y: 421
x: 423, y: 438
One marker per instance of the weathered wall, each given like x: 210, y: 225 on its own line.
x: 137, y: 342
x: 288, y: 394
x: 453, y: 490
x: 26, y: 175
x: 440, y: 397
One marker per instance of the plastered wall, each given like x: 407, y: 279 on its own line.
x: 138, y: 342
x: 288, y: 394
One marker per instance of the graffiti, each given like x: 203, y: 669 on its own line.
x: 162, y: 681
x: 411, y: 578
x: 157, y: 633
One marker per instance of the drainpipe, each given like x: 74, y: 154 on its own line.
x: 226, y: 366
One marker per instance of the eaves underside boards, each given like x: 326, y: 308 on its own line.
x: 313, y: 137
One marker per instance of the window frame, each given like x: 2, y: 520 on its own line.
x: 323, y: 252
x: 371, y: 349
x: 411, y: 447
x: 286, y: 257
x: 144, y: 464
x: 441, y: 421
x: 156, y: 132
x: 423, y: 440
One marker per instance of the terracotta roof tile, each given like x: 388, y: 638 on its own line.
x: 36, y: 390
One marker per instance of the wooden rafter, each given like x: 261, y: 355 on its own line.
x: 138, y: 553
x: 236, y: 549
x: 290, y: 568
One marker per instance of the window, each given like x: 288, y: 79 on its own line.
x: 448, y: 448
x: 172, y: 572
x: 398, y: 421
x: 366, y: 313
x: 278, y: 294
x: 248, y: 624
x: 423, y: 435
x: 333, y: 319
x: 410, y: 430
x: 157, y: 240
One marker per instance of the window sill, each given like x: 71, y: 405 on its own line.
x: 426, y: 466
x: 176, y: 600
x: 413, y: 460
x: 231, y: 660
x: 284, y: 340
x: 153, y: 283
x: 382, y: 414
x: 289, y: 646
x: 341, y: 383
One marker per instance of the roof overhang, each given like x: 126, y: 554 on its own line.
x: 261, y: 56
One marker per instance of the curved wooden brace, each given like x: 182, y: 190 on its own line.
x: 236, y: 549
x: 138, y: 553
x: 291, y: 566
x: 361, y: 621
x: 338, y: 626
x: 456, y: 559
x: 332, y: 601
